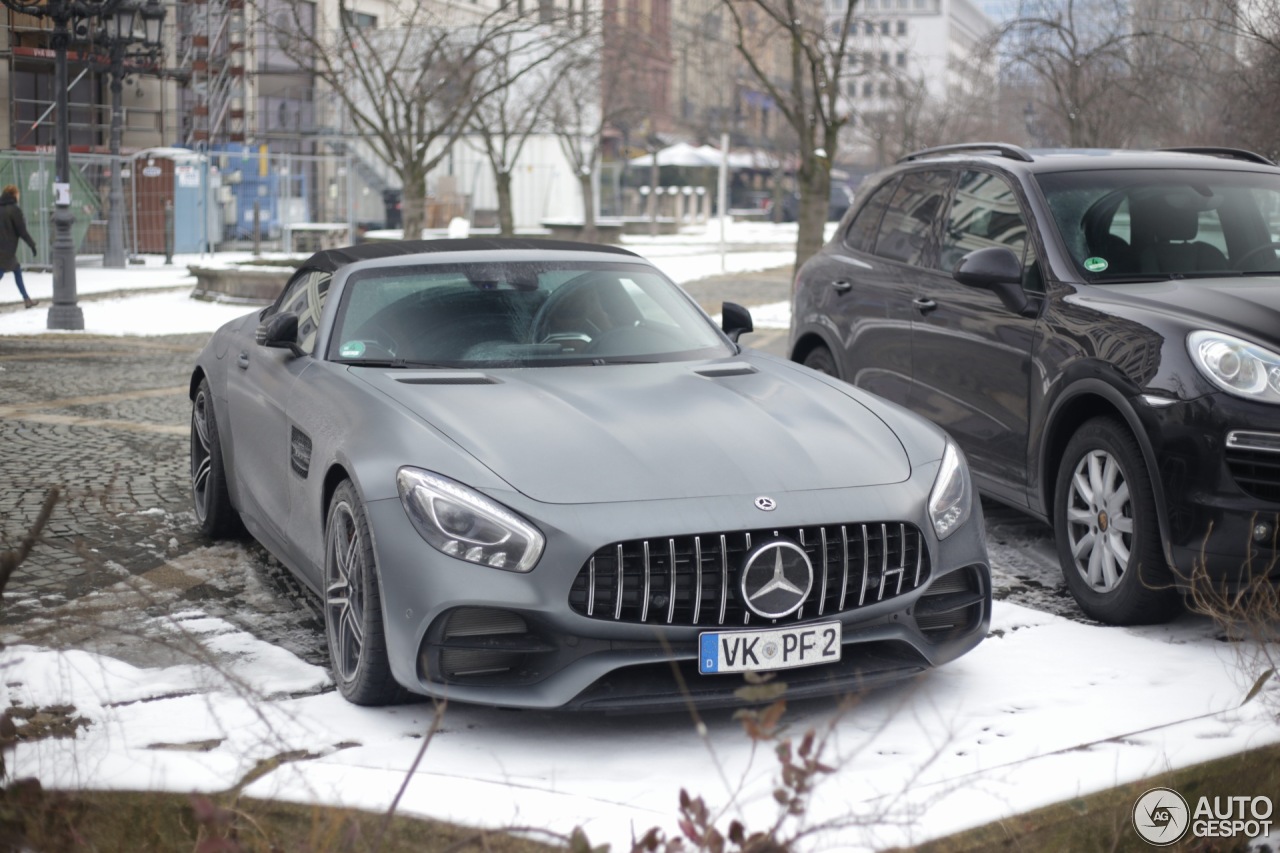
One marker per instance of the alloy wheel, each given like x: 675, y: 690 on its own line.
x: 1100, y: 520
x: 201, y: 454
x: 344, y: 591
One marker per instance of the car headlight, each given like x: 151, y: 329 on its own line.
x: 1236, y: 366
x: 951, y: 499
x: 463, y: 523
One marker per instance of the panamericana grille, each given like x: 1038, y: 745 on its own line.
x: 694, y: 580
x: 1256, y: 472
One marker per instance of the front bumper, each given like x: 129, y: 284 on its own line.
x: 1221, y: 504
x: 487, y: 636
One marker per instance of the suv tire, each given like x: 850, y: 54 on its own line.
x: 1104, y: 519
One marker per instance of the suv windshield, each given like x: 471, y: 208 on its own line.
x: 525, y: 314
x: 1166, y: 223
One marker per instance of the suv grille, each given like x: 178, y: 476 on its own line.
x: 1256, y: 472
x: 694, y: 580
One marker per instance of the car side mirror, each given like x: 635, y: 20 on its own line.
x: 997, y: 269
x: 735, y: 320
x: 280, y: 331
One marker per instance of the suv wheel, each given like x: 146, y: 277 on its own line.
x: 821, y: 360
x: 1106, y: 528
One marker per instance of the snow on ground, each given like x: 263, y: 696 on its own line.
x: 1044, y: 710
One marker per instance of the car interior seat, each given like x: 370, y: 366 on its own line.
x: 1164, y: 238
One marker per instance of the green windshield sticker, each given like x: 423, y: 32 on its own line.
x: 351, y: 349
x: 1096, y: 264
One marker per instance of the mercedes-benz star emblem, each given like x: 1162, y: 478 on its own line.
x: 766, y: 503
x: 776, y: 579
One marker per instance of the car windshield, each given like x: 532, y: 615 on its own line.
x: 520, y: 314
x: 1122, y: 225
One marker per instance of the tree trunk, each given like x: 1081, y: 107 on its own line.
x: 588, y: 207
x: 506, y: 219
x: 814, y: 181
x: 413, y: 203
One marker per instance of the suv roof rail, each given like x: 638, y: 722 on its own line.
x: 1218, y: 151
x: 1004, y: 149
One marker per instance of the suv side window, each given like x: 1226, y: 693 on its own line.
x: 910, y: 219
x: 983, y: 213
x: 304, y: 296
x: 862, y: 230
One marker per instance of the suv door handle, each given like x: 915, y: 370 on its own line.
x: 242, y: 361
x: 841, y: 285
x: 924, y: 304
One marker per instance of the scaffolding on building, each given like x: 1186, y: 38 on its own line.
x: 212, y: 51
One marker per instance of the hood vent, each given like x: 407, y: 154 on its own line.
x: 443, y: 378
x: 721, y: 371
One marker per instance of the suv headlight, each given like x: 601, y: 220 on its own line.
x: 951, y: 498
x: 1236, y: 366
x: 461, y: 522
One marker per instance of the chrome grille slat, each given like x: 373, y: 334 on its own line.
x: 624, y: 581
x: 844, y: 574
x: 697, y: 578
x: 822, y: 597
x: 644, y: 605
x: 724, y: 577
x: 591, y: 589
x: 617, y: 613
x: 671, y: 567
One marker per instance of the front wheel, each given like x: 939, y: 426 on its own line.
x: 1107, y: 533
x: 353, y: 605
x: 210, y: 496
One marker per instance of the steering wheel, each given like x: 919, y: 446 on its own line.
x: 540, y: 331
x: 1271, y: 246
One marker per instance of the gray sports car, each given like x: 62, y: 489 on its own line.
x: 530, y: 473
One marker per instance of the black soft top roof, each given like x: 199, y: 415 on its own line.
x: 331, y: 260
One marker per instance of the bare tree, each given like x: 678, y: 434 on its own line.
x: 807, y: 91
x: 520, y: 73
x: 1247, y: 98
x: 409, y: 85
x: 1076, y: 57
x: 591, y: 98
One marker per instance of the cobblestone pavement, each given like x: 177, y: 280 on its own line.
x: 106, y: 420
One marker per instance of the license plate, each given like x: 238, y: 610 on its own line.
x: 761, y: 651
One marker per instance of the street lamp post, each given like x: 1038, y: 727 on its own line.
x: 64, y: 313
x: 119, y: 35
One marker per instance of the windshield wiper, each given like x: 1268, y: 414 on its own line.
x: 397, y: 363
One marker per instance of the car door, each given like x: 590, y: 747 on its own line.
x: 872, y: 281
x: 257, y: 393
x: 970, y: 354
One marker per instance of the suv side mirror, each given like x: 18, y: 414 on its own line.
x: 997, y: 269
x: 280, y: 331
x: 735, y: 320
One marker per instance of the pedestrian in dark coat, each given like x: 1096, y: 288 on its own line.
x: 13, y: 226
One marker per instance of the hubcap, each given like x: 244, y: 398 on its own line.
x: 201, y: 458
x: 1100, y: 521
x: 344, y: 591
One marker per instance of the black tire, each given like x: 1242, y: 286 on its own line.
x: 1108, y: 536
x: 353, y: 605
x: 210, y: 496
x: 821, y: 360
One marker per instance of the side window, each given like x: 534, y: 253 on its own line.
x: 910, y: 218
x: 305, y: 297
x: 983, y: 213
x: 862, y: 230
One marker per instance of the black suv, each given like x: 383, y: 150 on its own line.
x: 1100, y: 332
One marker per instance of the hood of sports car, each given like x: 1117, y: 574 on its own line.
x: 589, y: 434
